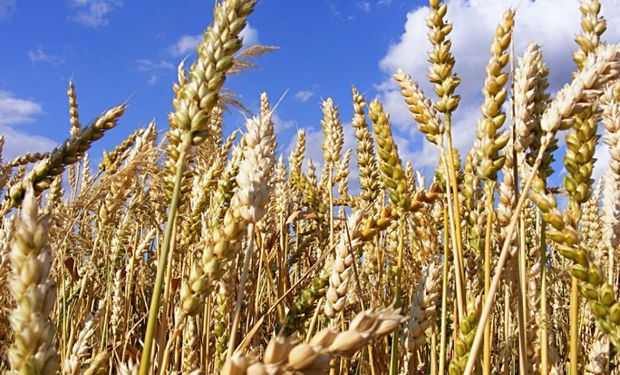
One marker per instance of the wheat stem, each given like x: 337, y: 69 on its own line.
x: 232, y: 343
x: 145, y: 358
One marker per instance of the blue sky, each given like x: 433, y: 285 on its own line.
x: 119, y: 49
x: 115, y: 50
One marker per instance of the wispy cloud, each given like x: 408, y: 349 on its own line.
x: 16, y: 111
x: 303, y: 95
x: 38, y: 55
x: 146, y: 65
x: 384, y: 2
x: 154, y: 69
x: 187, y: 44
x: 7, y: 8
x: 153, y: 79
x: 335, y: 11
x: 364, y: 6
x: 93, y: 13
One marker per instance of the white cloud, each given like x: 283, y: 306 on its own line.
x: 146, y: 65
x: 187, y: 43
x: 364, y: 6
x: 93, y: 13
x: 249, y: 35
x: 602, y: 160
x: 280, y: 124
x: 384, y: 2
x: 16, y: 111
x: 303, y: 95
x: 38, y: 55
x: 7, y: 8
x: 474, y: 26
x: 18, y: 143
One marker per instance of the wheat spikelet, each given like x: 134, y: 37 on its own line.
x: 332, y: 132
x: 366, y: 159
x: 526, y: 98
x: 74, y: 116
x: 442, y: 61
x: 592, y: 27
x: 33, y: 350
x: 342, y: 270
x: 392, y: 172
x: 420, y: 107
x: 489, y: 140
x: 79, y: 350
x: 423, y: 308
x: 610, y: 104
x: 66, y: 154
x: 286, y: 355
x: 465, y: 339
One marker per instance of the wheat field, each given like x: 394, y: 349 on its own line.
x: 198, y: 252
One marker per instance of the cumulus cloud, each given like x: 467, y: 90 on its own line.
x: 93, y: 13
x: 38, y: 55
x: 303, y: 95
x: 7, y: 8
x: 474, y: 26
x: 187, y: 44
x: 15, y: 111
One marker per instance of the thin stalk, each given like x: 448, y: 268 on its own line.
x: 206, y: 328
x: 281, y: 266
x: 544, y: 344
x: 486, y: 349
x: 521, y: 327
x: 507, y: 356
x: 315, y: 319
x: 455, y: 186
x: 433, y: 353
x: 145, y: 360
x: 444, y: 297
x: 574, y: 326
x: 232, y: 342
x: 165, y: 306
x: 397, y: 296
x: 458, y: 261
x: 522, y: 267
